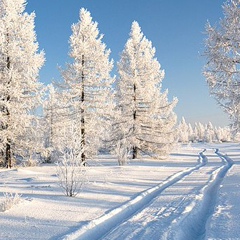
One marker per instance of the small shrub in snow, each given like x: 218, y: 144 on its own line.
x: 30, y: 163
x: 71, y: 173
x: 9, y: 201
x: 122, y: 152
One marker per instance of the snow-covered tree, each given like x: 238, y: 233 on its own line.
x: 89, y: 84
x: 49, y: 109
x: 209, y: 133
x: 222, y: 69
x: 199, y: 130
x: 70, y: 167
x: 202, y: 132
x: 20, y: 62
x: 146, y: 118
x: 223, y: 134
x: 191, y: 133
x: 122, y: 151
x: 183, y: 131
x: 55, y: 115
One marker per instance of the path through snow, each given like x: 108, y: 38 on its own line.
x: 192, y: 225
x: 118, y: 223
x: 187, y: 213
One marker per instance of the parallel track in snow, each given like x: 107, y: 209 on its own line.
x: 153, y: 221
x: 141, y: 216
x: 168, y: 208
x: 193, y: 224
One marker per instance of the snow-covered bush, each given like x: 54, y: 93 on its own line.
x: 224, y: 134
x: 30, y: 162
x: 122, y: 152
x: 71, y: 173
x: 10, y: 199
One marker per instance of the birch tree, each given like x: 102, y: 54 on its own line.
x: 146, y: 118
x: 222, y: 69
x: 20, y: 63
x: 89, y: 84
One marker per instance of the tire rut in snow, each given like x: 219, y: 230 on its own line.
x: 193, y: 224
x: 153, y: 221
x: 104, y: 224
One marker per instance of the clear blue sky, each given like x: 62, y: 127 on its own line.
x: 176, y: 29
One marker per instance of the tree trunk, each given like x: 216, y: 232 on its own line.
x: 134, y: 149
x: 50, y: 142
x: 8, y: 157
x: 83, y: 156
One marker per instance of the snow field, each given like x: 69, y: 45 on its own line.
x: 45, y: 212
x: 178, y: 199
x: 105, y: 223
x: 142, y: 200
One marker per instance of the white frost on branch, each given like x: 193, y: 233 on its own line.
x: 146, y: 118
x: 20, y: 62
x: 222, y: 70
x: 89, y: 84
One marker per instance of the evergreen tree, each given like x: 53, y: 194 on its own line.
x: 89, y: 84
x: 146, y: 117
x: 20, y: 63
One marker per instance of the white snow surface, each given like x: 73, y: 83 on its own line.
x: 192, y: 195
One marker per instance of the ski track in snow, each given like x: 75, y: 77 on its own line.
x: 153, y: 221
x: 111, y: 220
x: 192, y: 225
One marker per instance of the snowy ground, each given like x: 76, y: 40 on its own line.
x: 192, y: 195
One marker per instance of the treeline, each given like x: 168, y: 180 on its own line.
x: 203, y: 133
x: 90, y: 110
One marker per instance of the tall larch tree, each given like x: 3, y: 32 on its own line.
x: 222, y: 69
x: 146, y: 117
x: 89, y: 84
x: 20, y: 63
